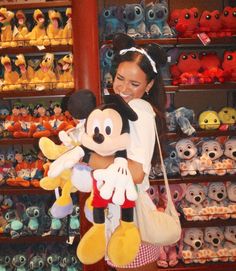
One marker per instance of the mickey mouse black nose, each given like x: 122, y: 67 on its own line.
x: 98, y: 138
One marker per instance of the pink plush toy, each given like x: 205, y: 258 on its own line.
x: 217, y: 201
x: 193, y: 246
x: 214, y: 239
x: 187, y: 152
x: 231, y: 193
x: 230, y: 242
x: 194, y: 202
x: 168, y: 254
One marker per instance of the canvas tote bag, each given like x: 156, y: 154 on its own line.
x: 159, y: 228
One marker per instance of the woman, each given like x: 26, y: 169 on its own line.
x: 138, y: 76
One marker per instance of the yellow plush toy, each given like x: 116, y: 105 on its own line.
x: 26, y: 73
x: 45, y: 77
x: 22, y: 29
x: 67, y: 31
x: 10, y: 77
x: 66, y: 77
x: 63, y: 205
x: 209, y: 120
x: 54, y: 32
x: 227, y: 116
x: 37, y: 35
x: 6, y: 17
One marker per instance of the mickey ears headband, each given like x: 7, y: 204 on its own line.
x: 143, y: 52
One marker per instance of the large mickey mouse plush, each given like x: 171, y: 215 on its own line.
x: 106, y: 133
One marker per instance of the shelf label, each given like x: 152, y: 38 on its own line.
x: 204, y: 38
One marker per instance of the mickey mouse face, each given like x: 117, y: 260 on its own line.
x: 104, y: 132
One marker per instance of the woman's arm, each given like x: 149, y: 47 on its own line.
x: 96, y: 162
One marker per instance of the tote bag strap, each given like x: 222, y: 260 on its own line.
x: 170, y: 205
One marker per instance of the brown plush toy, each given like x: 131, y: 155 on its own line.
x: 6, y: 17
x: 54, y: 31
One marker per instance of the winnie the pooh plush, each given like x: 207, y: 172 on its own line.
x: 6, y: 17
x: 54, y: 31
x: 66, y: 77
x: 67, y: 31
x: 37, y: 35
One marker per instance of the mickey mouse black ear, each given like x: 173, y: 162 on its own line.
x: 121, y: 106
x: 81, y: 103
x: 122, y: 41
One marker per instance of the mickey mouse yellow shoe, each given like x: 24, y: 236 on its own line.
x: 92, y: 246
x: 124, y: 244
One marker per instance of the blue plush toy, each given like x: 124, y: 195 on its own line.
x: 19, y: 261
x: 5, y: 261
x: 33, y: 213
x: 37, y: 263
x: 134, y: 18
x: 106, y: 63
x: 14, y: 226
x: 172, y: 161
x: 74, y: 223
x: 111, y: 21
x: 156, y: 20
x: 53, y: 260
x: 69, y: 262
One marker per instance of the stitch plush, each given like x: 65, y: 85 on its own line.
x: 111, y: 21
x: 210, y: 22
x: 194, y: 202
x: 187, y: 153
x: 229, y: 65
x: 209, y: 120
x: 172, y: 161
x: 230, y: 242
x: 10, y: 77
x: 22, y: 28
x: 134, y: 18
x: 187, y: 25
x: 6, y: 36
x: 194, y: 250
x: 54, y: 32
x: 156, y: 20
x: 187, y: 69
x: 106, y: 60
x: 229, y: 21
x: 37, y: 36
x: 67, y: 30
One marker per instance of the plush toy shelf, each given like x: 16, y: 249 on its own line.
x: 47, y: 4
x: 208, y: 223
x: 10, y: 190
x: 21, y: 141
x: 33, y: 239
x: 194, y: 179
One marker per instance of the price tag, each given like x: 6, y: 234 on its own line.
x: 204, y: 38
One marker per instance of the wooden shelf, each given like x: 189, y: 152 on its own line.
x: 33, y: 239
x: 219, y: 266
x: 15, y: 94
x: 47, y: 4
x: 35, y: 50
x: 195, y: 179
x: 14, y: 190
x: 21, y: 141
x: 207, y: 223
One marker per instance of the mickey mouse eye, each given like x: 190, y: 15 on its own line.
x: 96, y: 127
x: 108, y: 126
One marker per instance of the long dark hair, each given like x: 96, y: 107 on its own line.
x: 156, y: 96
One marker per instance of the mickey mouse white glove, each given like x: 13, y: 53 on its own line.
x: 73, y: 136
x: 116, y: 178
x: 81, y: 178
x: 65, y: 161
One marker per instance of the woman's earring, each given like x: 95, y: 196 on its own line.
x: 147, y: 92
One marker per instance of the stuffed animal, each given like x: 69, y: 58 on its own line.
x: 106, y: 63
x: 227, y: 116
x: 111, y: 21
x: 22, y: 28
x: 188, y: 155
x: 172, y: 161
x: 10, y: 77
x: 230, y: 155
x: 213, y: 150
x: 37, y: 36
x: 229, y: 65
x: 211, y: 67
x: 187, y: 69
x: 229, y: 21
x: 66, y: 75
x: 6, y: 36
x: 194, y: 202
x: 187, y: 25
x: 214, y: 240
x: 173, y: 20
x: 67, y: 30
x: 105, y: 194
x: 156, y: 20
x: 74, y: 223
x: 54, y: 31
x: 182, y: 118
x: 231, y: 193
x: 193, y: 246
x: 134, y: 18
x: 209, y: 120
x: 230, y: 242
x: 217, y: 201
x: 210, y: 23
x: 20, y: 261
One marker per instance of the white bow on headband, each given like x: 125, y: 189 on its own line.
x: 143, y: 52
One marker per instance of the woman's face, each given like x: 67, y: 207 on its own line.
x: 130, y: 81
